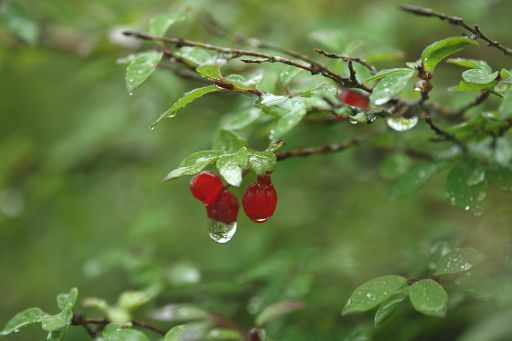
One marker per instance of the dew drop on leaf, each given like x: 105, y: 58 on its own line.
x: 220, y: 232
x: 402, y: 123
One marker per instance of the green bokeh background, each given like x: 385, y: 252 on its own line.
x: 80, y: 172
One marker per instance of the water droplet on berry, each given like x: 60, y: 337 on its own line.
x: 220, y: 232
x: 402, y: 123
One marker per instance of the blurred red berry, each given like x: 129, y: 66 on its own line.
x: 354, y: 99
x: 224, y: 208
x: 205, y: 187
x: 259, y: 200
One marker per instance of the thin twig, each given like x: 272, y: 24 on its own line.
x: 346, y: 58
x: 329, y: 148
x: 313, y: 68
x: 444, y: 135
x: 79, y: 320
x: 479, y: 100
x: 457, y: 21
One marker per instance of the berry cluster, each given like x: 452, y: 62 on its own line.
x: 259, y: 199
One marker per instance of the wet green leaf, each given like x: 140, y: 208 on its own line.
x: 464, y: 86
x: 131, y: 300
x: 288, y: 74
x: 458, y: 260
x: 23, y: 319
x: 470, y: 63
x: 386, y: 73
x: 429, y: 297
x: 222, y: 334
x: 179, y: 313
x: 466, y: 186
x: 372, y: 293
x: 188, y: 98
x: 262, y: 162
x: 244, y: 83
x: 159, y: 25
x: 439, y: 50
x: 478, y: 76
x: 210, y: 71
x: 296, y: 110
x: 194, y: 163
x: 388, y: 307
x: 277, y: 310
x: 19, y: 21
x: 195, y: 56
x: 141, y: 68
x: 231, y: 166
x: 183, y: 274
x: 391, y: 86
x: 116, y: 333
x: 414, y: 179
x: 228, y: 141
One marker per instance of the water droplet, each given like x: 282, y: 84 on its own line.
x: 402, y: 123
x: 130, y: 93
x: 353, y: 121
x: 220, y: 232
x: 259, y: 220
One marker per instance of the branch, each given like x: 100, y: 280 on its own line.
x: 443, y: 134
x: 326, y: 149
x: 457, y: 21
x: 79, y: 320
x: 313, y: 68
x: 479, y: 100
x: 346, y: 58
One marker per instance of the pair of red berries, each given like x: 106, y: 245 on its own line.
x: 259, y: 199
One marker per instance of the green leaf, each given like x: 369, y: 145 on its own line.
x: 429, y: 297
x: 222, y: 334
x: 414, y: 179
x: 391, y: 86
x: 188, y: 98
x: 194, y: 163
x: 115, y: 333
x: 131, y: 300
x: 230, y: 166
x: 176, y: 333
x: 439, y: 50
x: 458, y: 260
x: 141, y: 68
x: 67, y: 301
x: 19, y: 22
x: 470, y: 63
x: 159, y: 25
x: 388, y: 307
x: 464, y: 86
x: 478, y: 76
x: 195, y: 56
x: 54, y: 322
x: 372, y: 293
x: 288, y: 74
x: 210, y: 71
x: 244, y: 83
x: 296, y: 110
x: 183, y: 274
x: 179, y: 313
x: 228, y: 141
x: 386, y: 73
x: 277, y: 310
x: 466, y: 186
x: 499, y: 176
x: 23, y: 319
x: 262, y: 162
x: 506, y: 104
x: 240, y: 119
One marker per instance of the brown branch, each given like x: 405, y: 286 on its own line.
x: 479, y: 100
x: 313, y: 68
x: 79, y: 320
x: 346, y: 58
x: 326, y: 149
x: 457, y: 21
x: 443, y: 134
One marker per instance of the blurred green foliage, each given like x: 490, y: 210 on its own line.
x: 82, y: 203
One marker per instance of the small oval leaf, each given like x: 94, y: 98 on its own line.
x: 429, y: 297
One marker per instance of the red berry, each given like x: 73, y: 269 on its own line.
x: 354, y: 99
x: 224, y: 208
x: 260, y: 200
x: 205, y: 187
